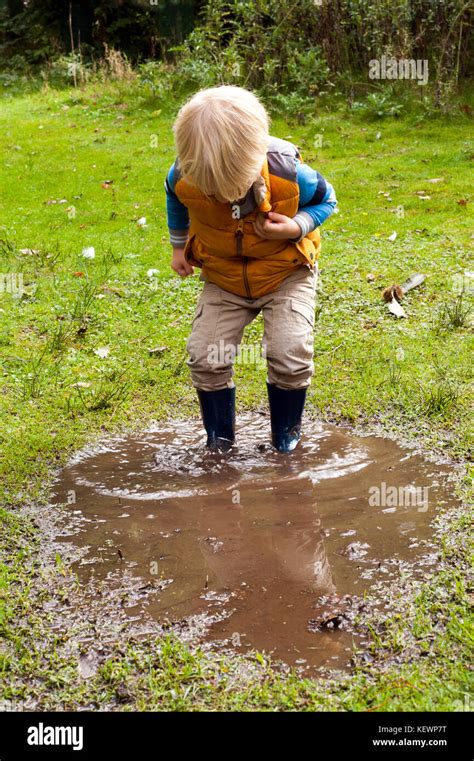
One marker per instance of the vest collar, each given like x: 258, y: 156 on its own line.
x: 261, y: 190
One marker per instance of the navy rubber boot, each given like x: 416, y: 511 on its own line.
x: 286, y: 410
x: 218, y: 416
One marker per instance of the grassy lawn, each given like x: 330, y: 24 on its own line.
x: 79, y: 169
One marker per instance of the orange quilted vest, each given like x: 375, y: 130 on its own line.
x: 222, y: 240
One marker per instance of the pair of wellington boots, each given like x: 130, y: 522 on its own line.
x: 286, y: 410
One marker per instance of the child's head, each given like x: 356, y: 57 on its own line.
x: 221, y: 139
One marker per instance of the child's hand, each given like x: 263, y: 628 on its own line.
x: 179, y: 263
x: 276, y: 227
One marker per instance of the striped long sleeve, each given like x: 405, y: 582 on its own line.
x: 317, y: 199
x: 178, y: 217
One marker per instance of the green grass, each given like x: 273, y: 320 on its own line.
x: 410, y: 377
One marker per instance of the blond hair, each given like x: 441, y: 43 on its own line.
x: 221, y: 139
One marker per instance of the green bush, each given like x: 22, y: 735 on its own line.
x: 378, y: 105
x: 290, y: 51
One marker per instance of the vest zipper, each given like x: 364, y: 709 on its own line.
x: 239, y: 234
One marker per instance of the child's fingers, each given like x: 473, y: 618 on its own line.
x: 275, y: 217
x: 264, y: 228
x: 266, y: 234
x: 269, y: 226
x: 272, y: 229
x: 180, y: 270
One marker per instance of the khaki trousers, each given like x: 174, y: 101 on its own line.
x: 287, y: 346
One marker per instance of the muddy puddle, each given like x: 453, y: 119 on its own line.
x: 252, y: 549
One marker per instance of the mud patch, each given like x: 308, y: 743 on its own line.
x: 251, y: 549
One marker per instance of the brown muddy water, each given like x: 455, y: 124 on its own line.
x: 253, y: 549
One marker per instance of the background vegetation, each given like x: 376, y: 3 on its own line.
x: 290, y: 51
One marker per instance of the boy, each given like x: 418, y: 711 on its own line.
x: 244, y: 209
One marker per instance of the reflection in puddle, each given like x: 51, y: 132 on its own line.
x: 265, y: 551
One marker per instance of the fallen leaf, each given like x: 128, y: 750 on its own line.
x: 102, y: 352
x: 462, y: 202
x: 436, y: 179
x: 111, y: 289
x: 87, y: 666
x: 413, y: 282
x: 354, y: 550
x: 392, y: 292
x: 396, y: 308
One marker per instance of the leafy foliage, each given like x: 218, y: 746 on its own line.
x: 291, y: 52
